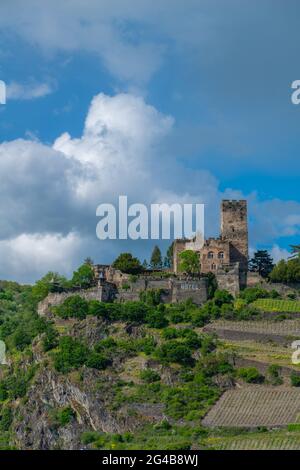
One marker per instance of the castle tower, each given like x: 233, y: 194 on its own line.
x: 234, y: 228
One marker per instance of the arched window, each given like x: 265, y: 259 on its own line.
x: 221, y: 255
x: 210, y: 255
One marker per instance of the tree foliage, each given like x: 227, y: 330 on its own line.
x: 261, y: 263
x: 189, y: 262
x: 126, y: 263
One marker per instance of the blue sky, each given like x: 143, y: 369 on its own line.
x: 182, y: 101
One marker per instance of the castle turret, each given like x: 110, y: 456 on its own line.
x: 234, y: 228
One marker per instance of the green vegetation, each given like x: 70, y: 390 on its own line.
x: 61, y: 417
x: 130, y: 354
x: 126, y: 263
x: 262, y: 263
x: 156, y: 259
x: 295, y: 379
x: 277, y: 305
x: 189, y: 262
x: 250, y: 375
x: 286, y: 271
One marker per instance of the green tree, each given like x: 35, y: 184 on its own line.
x: 84, y: 276
x: 156, y: 259
x: 189, y: 262
x: 168, y: 260
x: 128, y: 264
x: 261, y: 263
x: 145, y: 264
x: 73, y: 307
x: 51, y: 282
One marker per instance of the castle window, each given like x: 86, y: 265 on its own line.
x: 232, y: 228
x: 221, y: 255
x: 213, y: 267
x: 210, y: 255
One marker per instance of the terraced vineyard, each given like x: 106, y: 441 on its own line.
x: 277, y: 305
x: 268, y: 353
x: 258, y: 441
x: 255, y: 406
x: 282, y: 328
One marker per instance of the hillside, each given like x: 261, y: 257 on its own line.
x: 144, y: 375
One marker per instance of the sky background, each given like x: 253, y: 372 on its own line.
x: 179, y: 101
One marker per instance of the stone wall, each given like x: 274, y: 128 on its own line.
x: 173, y: 290
x: 103, y: 293
x: 228, y: 278
x: 195, y: 289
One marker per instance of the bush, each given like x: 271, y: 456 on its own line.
x: 89, y: 437
x: 250, y: 294
x: 6, y: 418
x: 151, y: 296
x: 173, y: 351
x: 135, y: 311
x: 274, y: 372
x: 156, y: 319
x: 74, y: 306
x: 72, y: 354
x: 97, y: 361
x: 222, y: 297
x: 250, y: 375
x: 149, y: 376
x: 98, y: 309
x: 62, y: 417
x: 295, y: 379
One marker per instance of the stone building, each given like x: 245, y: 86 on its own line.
x: 229, y: 252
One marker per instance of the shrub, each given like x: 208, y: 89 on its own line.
x: 295, y: 379
x: 61, y: 417
x: 173, y: 351
x: 149, y: 375
x: 135, y: 311
x: 151, y: 296
x: 6, y: 418
x: 250, y: 375
x: 98, y: 309
x: 97, y: 360
x: 72, y: 354
x: 156, y: 319
x: 89, y: 437
x: 74, y: 306
x: 222, y: 297
x: 250, y: 294
x: 274, y: 372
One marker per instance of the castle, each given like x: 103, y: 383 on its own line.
x: 229, y: 252
x: 225, y: 256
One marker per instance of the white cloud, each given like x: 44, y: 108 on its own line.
x: 278, y: 253
x: 49, y: 194
x: 27, y: 256
x: 29, y: 91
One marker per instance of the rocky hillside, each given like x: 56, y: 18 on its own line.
x: 132, y: 375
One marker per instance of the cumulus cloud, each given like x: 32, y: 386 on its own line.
x: 29, y: 91
x: 26, y: 256
x: 278, y: 253
x: 49, y: 194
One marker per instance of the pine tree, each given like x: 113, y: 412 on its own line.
x: 156, y: 259
x: 261, y: 263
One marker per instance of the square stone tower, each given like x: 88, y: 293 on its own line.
x: 234, y: 228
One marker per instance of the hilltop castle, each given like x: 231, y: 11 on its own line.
x: 227, y: 253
